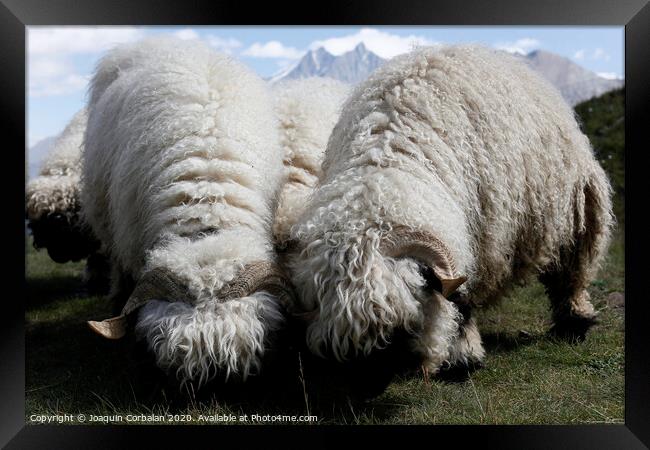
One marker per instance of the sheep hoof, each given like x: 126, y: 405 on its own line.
x: 573, y: 328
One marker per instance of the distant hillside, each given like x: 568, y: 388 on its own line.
x: 576, y: 83
x: 37, y: 154
x: 603, y: 120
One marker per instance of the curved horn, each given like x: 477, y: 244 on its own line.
x: 258, y: 276
x: 402, y: 242
x: 162, y: 284
x: 159, y: 284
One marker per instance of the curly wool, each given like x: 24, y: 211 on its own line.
x: 307, y: 110
x: 200, y: 341
x: 53, y: 203
x: 467, y: 144
x: 56, y: 189
x: 182, y: 165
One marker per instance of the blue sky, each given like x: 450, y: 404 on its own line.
x: 61, y: 59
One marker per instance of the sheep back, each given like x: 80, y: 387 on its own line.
x: 307, y: 110
x: 469, y: 144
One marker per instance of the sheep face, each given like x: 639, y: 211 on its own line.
x: 376, y: 285
x: 63, y: 236
x: 223, y: 335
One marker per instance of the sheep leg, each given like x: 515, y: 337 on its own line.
x: 566, y: 283
x: 566, y: 286
x: 97, y: 273
x: 122, y: 286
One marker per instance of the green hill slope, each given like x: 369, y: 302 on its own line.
x: 603, y: 120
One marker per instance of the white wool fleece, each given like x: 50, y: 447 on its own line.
x: 307, y: 110
x: 56, y: 189
x: 181, y: 171
x: 463, y: 142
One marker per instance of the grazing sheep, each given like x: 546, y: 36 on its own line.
x: 53, y: 198
x: 307, y: 110
x: 181, y: 167
x: 53, y: 207
x: 451, y: 174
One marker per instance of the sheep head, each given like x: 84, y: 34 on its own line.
x: 162, y: 284
x: 372, y: 286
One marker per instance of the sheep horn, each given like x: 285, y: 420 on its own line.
x: 259, y: 276
x: 162, y: 284
x: 402, y: 241
x: 159, y: 284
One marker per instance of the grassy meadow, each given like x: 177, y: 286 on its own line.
x: 529, y: 377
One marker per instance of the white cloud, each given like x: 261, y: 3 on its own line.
x: 522, y: 46
x: 51, y: 51
x: 186, y: 34
x: 580, y: 54
x: 272, y: 49
x: 595, y: 55
x: 226, y: 45
x: 599, y: 53
x: 43, y: 67
x: 59, y: 85
x: 379, y: 42
x: 77, y: 40
x: 610, y: 75
x: 53, y: 75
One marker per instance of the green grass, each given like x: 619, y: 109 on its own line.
x: 528, y: 378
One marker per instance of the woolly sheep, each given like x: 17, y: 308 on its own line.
x: 181, y: 167
x: 52, y: 198
x: 451, y: 174
x: 53, y: 207
x: 307, y: 110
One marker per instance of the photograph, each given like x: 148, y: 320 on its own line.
x: 325, y: 225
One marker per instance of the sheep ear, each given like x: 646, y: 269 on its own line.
x: 159, y: 284
x: 404, y: 242
x: 114, y: 328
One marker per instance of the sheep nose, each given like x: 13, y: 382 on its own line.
x: 396, y: 356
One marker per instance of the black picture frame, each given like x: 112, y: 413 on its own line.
x: 634, y: 15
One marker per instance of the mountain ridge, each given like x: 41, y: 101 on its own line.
x: 575, y: 83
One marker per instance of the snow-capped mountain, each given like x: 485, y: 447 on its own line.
x: 351, y: 67
x: 576, y: 83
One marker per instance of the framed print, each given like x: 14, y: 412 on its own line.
x: 384, y: 219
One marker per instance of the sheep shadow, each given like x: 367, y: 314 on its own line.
x: 296, y: 382
x: 66, y: 362
x: 508, y: 342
